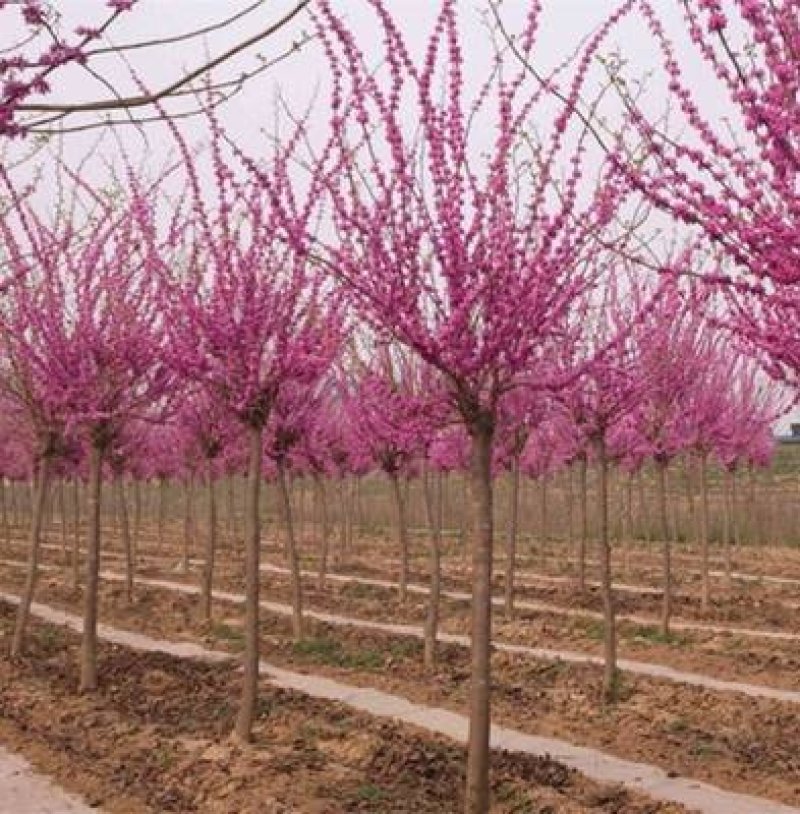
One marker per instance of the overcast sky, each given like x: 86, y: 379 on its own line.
x: 564, y: 25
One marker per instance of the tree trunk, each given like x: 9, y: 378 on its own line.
x: 211, y: 543
x: 477, y: 796
x: 291, y: 553
x: 76, y: 534
x: 6, y: 526
x: 610, y: 682
x: 666, y: 546
x: 24, y: 609
x: 704, y: 531
x: 728, y: 510
x: 322, y: 497
x: 88, y: 679
x: 543, y: 519
x: 433, y: 507
x: 583, y: 476
x: 127, y: 544
x: 137, y: 516
x: 162, y: 511
x: 694, y: 532
x: 231, y: 512
x: 511, y: 538
x: 402, y: 532
x: 188, y: 500
x: 62, y: 513
x: 247, y: 705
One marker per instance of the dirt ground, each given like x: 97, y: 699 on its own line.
x: 741, y: 743
x: 153, y: 739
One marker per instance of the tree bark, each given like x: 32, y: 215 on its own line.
x: 247, y: 704
x: 402, y: 532
x: 433, y: 507
x: 727, y: 508
x: 211, y: 543
x: 127, y: 543
x: 666, y: 546
x: 511, y: 539
x: 76, y: 534
x: 704, y: 531
x: 31, y: 577
x: 291, y: 553
x: 322, y: 497
x: 62, y: 513
x: 583, y: 475
x: 477, y: 796
x: 6, y: 525
x: 162, y: 511
x: 88, y: 678
x: 610, y: 676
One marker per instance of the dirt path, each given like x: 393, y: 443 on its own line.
x: 592, y: 763
x: 24, y: 791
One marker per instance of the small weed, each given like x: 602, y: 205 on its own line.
x: 164, y: 756
x: 232, y: 635
x: 369, y: 791
x: 703, y: 749
x: 514, y: 799
x: 647, y: 634
x: 677, y: 725
x: 51, y: 637
x: 591, y: 628
x: 330, y: 651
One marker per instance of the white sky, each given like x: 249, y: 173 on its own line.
x: 565, y: 23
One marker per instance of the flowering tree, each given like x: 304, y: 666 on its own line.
x: 248, y: 317
x: 449, y: 249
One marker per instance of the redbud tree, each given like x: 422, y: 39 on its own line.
x: 460, y: 251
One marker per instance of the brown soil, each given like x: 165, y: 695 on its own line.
x: 153, y: 739
x: 741, y: 743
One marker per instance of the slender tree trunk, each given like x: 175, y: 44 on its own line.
x: 737, y: 524
x: 583, y: 476
x: 247, y: 705
x: 694, y: 532
x: 704, y: 530
x: 6, y: 525
x: 231, y: 512
x: 127, y: 542
x: 322, y: 498
x: 62, y: 514
x: 162, y: 511
x: 338, y: 555
x: 76, y: 534
x: 570, y: 509
x: 88, y: 679
x: 511, y: 538
x: 402, y: 532
x: 433, y: 507
x: 644, y: 520
x: 609, y: 612
x: 666, y: 544
x: 211, y: 542
x: 477, y: 796
x: 727, y: 509
x: 31, y: 577
x: 188, y: 494
x: 291, y: 553
x: 628, y: 533
x: 137, y: 516
x: 543, y: 517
